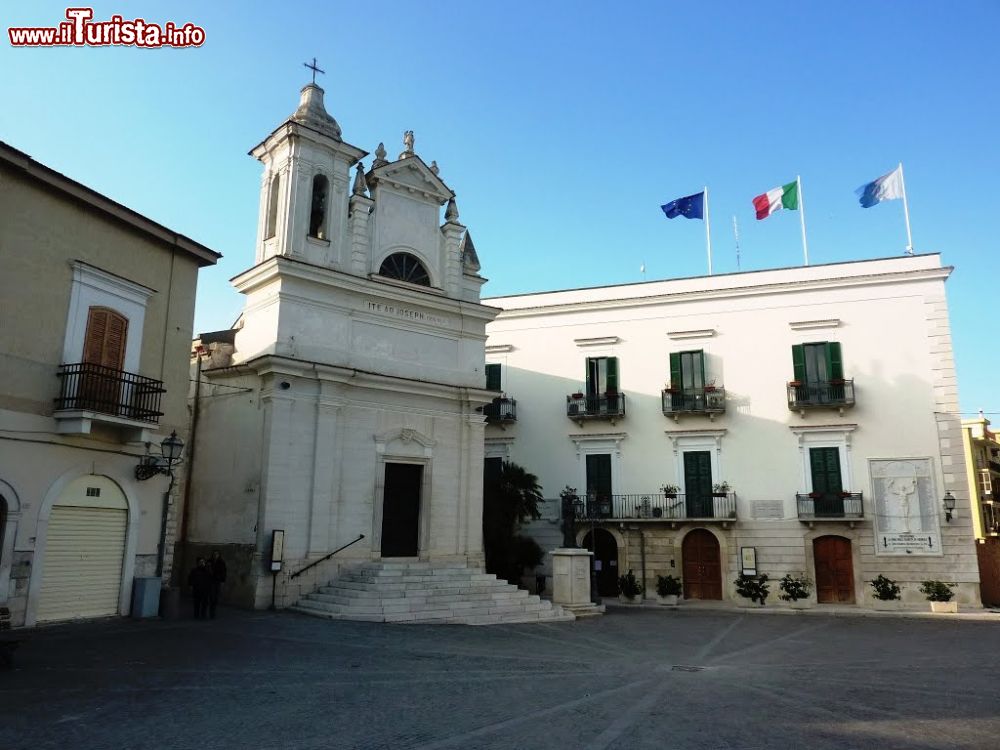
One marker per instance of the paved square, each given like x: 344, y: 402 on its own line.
x: 636, y: 678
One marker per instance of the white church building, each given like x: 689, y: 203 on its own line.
x: 346, y: 406
x: 800, y: 420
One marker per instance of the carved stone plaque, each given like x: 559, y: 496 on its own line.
x: 905, y: 501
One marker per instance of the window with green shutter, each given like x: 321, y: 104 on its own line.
x: 493, y: 377
x: 602, y: 375
x: 687, y: 370
x: 817, y: 362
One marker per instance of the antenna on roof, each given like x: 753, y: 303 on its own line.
x: 736, y: 233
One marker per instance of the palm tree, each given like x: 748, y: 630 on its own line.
x: 509, y: 499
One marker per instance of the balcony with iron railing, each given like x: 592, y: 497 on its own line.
x: 709, y: 400
x: 827, y: 394
x: 607, y: 406
x: 658, y: 506
x: 501, y: 411
x: 91, y: 393
x: 830, y: 506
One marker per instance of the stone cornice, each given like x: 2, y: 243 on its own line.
x: 280, y: 269
x: 787, y: 287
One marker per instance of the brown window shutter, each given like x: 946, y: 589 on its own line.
x: 105, y: 340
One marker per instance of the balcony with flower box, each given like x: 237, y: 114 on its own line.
x: 669, y: 507
x: 814, y: 507
x: 608, y: 406
x: 709, y: 400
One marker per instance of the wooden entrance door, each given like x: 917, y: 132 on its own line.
x: 401, y: 510
x: 702, y: 566
x: 698, y: 484
x: 834, y: 570
x: 605, y: 550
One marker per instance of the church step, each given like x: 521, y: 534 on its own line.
x: 467, y: 617
x: 375, y: 593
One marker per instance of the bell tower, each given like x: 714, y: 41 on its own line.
x: 305, y: 187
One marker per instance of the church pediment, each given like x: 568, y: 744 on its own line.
x: 412, y: 175
x: 404, y: 442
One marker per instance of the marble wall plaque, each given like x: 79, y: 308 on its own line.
x: 904, y: 498
x: 768, y: 509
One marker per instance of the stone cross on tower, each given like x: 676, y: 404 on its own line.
x: 314, y: 69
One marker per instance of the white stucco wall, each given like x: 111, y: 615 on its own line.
x: 887, y: 316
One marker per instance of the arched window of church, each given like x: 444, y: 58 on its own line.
x: 405, y: 267
x: 272, y: 208
x: 317, y: 213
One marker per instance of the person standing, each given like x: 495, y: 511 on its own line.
x: 200, y: 581
x: 217, y: 567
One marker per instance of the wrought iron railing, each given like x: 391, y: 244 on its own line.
x: 710, y: 400
x: 603, y: 406
x: 95, y: 388
x: 849, y: 505
x: 826, y: 393
x: 501, y: 410
x: 658, y: 506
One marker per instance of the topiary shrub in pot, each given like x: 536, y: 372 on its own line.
x: 796, y: 590
x: 628, y: 588
x: 939, y: 594
x: 753, y: 589
x: 885, y: 595
x: 668, y: 589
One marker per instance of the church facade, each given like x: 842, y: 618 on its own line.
x: 795, y: 421
x: 345, y: 406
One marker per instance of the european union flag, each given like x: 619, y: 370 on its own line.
x: 690, y: 207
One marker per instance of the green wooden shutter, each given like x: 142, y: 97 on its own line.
x: 834, y: 361
x: 493, y: 377
x: 612, y: 374
x: 592, y: 376
x: 799, y: 363
x: 675, y: 369
x: 700, y: 356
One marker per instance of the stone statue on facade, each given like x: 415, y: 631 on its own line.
x: 568, y: 522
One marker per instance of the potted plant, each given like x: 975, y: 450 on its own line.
x: 753, y: 589
x: 670, y: 490
x: 628, y: 588
x: 845, y: 493
x: 796, y: 590
x: 576, y: 395
x: 721, y: 489
x: 795, y: 383
x: 668, y: 588
x: 885, y: 595
x: 815, y: 495
x: 710, y: 386
x: 939, y: 594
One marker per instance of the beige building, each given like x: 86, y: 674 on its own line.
x: 98, y: 306
x: 982, y: 465
x: 799, y: 420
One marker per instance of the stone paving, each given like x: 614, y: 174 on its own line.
x: 635, y: 678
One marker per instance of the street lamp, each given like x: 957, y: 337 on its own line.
x: 150, y: 465
x: 949, y: 506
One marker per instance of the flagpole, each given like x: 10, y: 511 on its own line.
x: 802, y: 219
x: 708, y: 232
x: 736, y: 233
x: 906, y: 212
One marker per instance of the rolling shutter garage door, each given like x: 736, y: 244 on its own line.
x: 83, y: 563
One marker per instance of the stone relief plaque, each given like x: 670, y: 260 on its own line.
x: 768, y: 509
x: 905, y: 501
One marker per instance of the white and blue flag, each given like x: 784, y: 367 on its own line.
x: 886, y: 188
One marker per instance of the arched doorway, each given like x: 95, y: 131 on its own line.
x: 605, y: 559
x: 84, y: 551
x: 833, y: 560
x: 702, y: 565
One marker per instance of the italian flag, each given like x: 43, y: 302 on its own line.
x: 786, y: 196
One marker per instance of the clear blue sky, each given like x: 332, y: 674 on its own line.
x: 562, y: 126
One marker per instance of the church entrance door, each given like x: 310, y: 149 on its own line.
x: 401, y: 510
x: 605, y: 550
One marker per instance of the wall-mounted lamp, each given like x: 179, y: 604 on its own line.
x: 949, y: 506
x: 150, y: 465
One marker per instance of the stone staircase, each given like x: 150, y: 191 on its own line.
x: 426, y: 592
